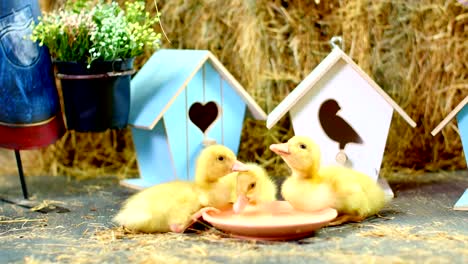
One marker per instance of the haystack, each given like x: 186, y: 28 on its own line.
x: 416, y: 50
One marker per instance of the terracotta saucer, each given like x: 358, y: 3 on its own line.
x: 271, y: 221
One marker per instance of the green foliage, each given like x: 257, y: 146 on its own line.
x: 84, y: 32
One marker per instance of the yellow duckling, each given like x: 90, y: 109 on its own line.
x: 216, y: 190
x: 353, y: 194
x: 253, y: 187
x: 171, y: 206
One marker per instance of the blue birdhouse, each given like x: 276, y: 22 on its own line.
x: 181, y: 101
x: 461, y: 114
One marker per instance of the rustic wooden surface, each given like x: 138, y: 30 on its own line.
x: 418, y: 226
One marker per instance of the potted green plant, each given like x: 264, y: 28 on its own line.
x: 93, y: 44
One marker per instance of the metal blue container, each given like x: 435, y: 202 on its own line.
x: 28, y: 95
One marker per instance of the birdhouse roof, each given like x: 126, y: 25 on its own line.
x: 314, y: 77
x: 450, y: 116
x: 165, y: 75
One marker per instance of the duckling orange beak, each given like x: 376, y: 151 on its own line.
x: 280, y: 149
x: 239, y: 166
x: 240, y: 204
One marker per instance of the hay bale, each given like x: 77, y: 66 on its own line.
x: 420, y: 58
x: 416, y: 50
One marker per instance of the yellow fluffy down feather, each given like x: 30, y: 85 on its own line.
x: 253, y: 187
x: 160, y: 207
x: 353, y: 194
x: 171, y: 206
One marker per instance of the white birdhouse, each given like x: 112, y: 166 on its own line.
x: 344, y: 111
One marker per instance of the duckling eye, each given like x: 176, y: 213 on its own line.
x: 252, y: 185
x: 220, y: 158
x: 302, y: 146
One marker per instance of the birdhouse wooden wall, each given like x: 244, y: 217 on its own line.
x: 462, y: 119
x: 154, y: 160
x: 361, y: 107
x: 186, y: 137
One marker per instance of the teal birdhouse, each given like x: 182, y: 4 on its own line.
x: 461, y: 114
x: 181, y: 101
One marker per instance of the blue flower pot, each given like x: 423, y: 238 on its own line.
x: 98, y: 98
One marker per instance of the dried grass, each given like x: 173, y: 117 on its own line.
x: 363, y: 243
x: 408, y: 233
x: 416, y: 50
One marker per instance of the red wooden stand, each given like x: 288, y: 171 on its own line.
x: 20, y: 137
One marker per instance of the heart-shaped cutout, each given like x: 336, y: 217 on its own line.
x: 203, y: 115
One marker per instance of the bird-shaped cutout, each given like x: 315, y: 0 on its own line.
x: 336, y: 128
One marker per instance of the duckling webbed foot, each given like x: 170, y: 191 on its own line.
x: 341, y: 219
x: 177, y: 228
x: 200, y: 212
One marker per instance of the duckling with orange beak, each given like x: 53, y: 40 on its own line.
x: 253, y: 187
x: 353, y: 194
x: 173, y: 206
x: 303, y: 189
